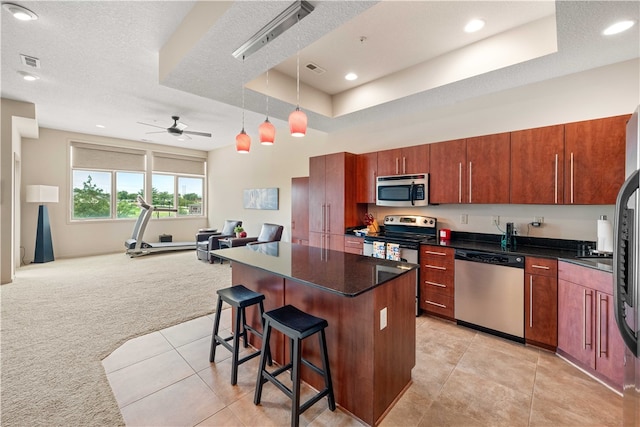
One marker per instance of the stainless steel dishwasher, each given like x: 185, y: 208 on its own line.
x: 489, y: 292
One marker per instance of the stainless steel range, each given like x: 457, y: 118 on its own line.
x: 401, y: 241
x: 401, y: 237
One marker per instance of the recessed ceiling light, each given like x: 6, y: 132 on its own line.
x: 28, y: 77
x: 618, y: 27
x: 351, y: 76
x: 100, y: 126
x: 20, y: 12
x: 474, y: 25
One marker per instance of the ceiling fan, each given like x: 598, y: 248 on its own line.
x: 177, y: 129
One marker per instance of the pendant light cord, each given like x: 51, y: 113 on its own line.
x: 242, y: 77
x: 298, y: 66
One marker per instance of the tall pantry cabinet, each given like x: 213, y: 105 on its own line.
x: 332, y: 206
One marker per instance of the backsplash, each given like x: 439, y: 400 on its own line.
x: 578, y: 222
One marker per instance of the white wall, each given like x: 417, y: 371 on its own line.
x: 602, y: 92
x: 46, y: 161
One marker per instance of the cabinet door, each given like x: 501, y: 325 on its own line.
x: 335, y: 193
x: 537, y: 165
x: 594, y: 160
x: 300, y: 210
x: 448, y: 172
x: 389, y: 162
x: 366, y: 173
x: 317, y: 239
x: 609, y: 344
x: 415, y: 159
x: 576, y: 322
x: 541, y: 309
x: 317, y: 204
x: 488, y: 160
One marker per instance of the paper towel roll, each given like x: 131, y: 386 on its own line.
x: 605, y: 236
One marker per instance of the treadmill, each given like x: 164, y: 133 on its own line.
x: 137, y: 247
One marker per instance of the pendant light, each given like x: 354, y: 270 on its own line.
x: 267, y: 130
x: 243, y: 141
x: 298, y: 119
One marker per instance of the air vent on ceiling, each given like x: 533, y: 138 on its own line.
x: 30, y: 61
x: 315, y: 68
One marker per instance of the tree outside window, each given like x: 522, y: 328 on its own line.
x: 91, y: 194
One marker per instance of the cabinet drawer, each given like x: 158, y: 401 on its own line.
x: 353, y: 243
x: 433, y: 302
x: 541, y: 266
x: 590, y: 277
x: 437, y: 252
x: 438, y: 281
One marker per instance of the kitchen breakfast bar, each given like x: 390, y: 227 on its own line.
x: 369, y: 304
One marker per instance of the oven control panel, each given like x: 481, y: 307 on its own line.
x: 411, y: 221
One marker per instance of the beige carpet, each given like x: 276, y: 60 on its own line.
x: 60, y: 319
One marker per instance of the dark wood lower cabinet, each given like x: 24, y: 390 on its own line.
x: 587, y: 332
x: 541, y: 302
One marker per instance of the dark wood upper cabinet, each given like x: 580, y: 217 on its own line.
x: 366, y: 173
x: 448, y: 172
x: 488, y: 159
x: 537, y: 165
x: 594, y: 160
x: 406, y: 160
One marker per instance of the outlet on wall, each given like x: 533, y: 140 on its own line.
x: 495, y: 220
x: 464, y: 219
x: 539, y: 219
x: 383, y: 318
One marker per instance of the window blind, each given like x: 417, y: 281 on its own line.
x: 95, y: 156
x: 175, y: 163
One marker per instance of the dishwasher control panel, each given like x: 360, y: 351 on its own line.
x: 516, y: 261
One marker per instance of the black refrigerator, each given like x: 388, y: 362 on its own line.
x: 625, y: 273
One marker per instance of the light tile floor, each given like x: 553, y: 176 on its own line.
x: 461, y: 378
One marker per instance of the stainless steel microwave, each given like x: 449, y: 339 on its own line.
x: 403, y: 190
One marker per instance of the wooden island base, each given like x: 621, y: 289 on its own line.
x: 370, y: 366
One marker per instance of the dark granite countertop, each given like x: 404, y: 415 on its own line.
x: 339, y: 272
x: 562, y: 250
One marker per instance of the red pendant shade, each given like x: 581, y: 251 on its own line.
x: 267, y: 133
x: 243, y: 142
x: 298, y: 123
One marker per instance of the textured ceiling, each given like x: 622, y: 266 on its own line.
x: 99, y: 59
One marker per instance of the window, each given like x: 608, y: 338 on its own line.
x: 106, y: 182
x: 178, y: 182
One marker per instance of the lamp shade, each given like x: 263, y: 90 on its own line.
x: 298, y: 123
x: 42, y: 194
x: 267, y: 133
x: 243, y: 142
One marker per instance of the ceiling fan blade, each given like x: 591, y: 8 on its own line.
x: 208, y: 135
x: 147, y: 124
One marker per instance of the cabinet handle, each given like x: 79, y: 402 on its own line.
x: 556, y: 180
x: 435, y: 303
x: 606, y: 319
x: 571, y: 177
x: 328, y: 220
x: 435, y: 253
x: 470, y: 179
x: 324, y: 218
x: 530, y: 301
x: 404, y: 164
x: 584, y: 320
x: 460, y: 182
x: 543, y: 267
x: 436, y: 267
x: 397, y: 165
x: 440, y: 285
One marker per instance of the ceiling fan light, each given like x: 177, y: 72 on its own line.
x: 298, y: 123
x: 267, y: 133
x: 19, y: 12
x: 243, y: 142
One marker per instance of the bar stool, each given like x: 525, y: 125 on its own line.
x: 240, y: 298
x: 297, y: 325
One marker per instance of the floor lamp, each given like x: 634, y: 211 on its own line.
x: 43, y: 194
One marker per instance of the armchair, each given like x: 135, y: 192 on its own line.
x: 207, y: 240
x: 268, y: 233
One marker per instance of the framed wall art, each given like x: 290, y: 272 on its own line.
x: 260, y: 198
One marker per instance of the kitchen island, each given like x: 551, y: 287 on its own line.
x: 368, y: 302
